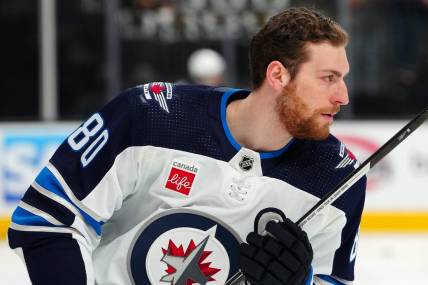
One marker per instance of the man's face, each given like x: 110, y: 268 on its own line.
x: 309, y: 102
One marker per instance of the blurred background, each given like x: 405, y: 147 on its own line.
x: 62, y: 60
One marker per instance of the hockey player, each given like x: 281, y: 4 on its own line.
x: 165, y: 183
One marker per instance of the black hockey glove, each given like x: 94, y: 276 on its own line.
x: 283, y: 256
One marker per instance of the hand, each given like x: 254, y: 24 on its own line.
x: 283, y: 256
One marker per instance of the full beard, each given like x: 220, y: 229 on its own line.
x: 297, y: 117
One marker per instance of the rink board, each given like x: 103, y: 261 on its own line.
x: 397, y: 196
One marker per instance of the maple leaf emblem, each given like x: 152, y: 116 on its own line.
x: 186, y: 267
x: 157, y: 88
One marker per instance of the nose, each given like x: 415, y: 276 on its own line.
x: 340, y: 96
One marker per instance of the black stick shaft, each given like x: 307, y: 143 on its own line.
x: 369, y: 163
x: 353, y: 177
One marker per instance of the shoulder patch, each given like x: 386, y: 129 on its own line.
x: 161, y: 92
x: 348, y: 158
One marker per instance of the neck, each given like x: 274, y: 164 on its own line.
x: 254, y: 122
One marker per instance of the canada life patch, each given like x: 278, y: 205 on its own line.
x: 181, y: 177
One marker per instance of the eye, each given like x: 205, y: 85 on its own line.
x: 329, y: 78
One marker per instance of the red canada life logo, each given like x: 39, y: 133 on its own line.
x: 181, y: 177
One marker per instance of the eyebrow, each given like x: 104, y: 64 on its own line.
x: 335, y: 72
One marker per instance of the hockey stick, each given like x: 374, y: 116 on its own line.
x: 353, y: 177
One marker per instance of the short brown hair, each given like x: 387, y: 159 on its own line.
x: 284, y: 36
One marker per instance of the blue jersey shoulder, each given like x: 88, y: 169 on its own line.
x: 317, y: 167
x: 333, y: 154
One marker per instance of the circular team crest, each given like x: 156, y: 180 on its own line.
x: 182, y: 248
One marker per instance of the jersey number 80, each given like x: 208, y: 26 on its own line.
x: 88, y: 137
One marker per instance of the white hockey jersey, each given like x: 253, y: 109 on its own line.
x: 153, y: 189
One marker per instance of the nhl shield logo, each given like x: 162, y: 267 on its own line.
x: 246, y: 163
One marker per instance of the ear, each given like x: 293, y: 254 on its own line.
x: 277, y: 76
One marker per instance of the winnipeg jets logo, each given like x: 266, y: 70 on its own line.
x: 183, y: 247
x: 160, y: 91
x: 186, y: 267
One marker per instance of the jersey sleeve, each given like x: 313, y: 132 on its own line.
x: 345, y: 257
x: 58, y: 222
x: 352, y: 203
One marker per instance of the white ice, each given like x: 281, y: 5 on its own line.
x: 398, y: 259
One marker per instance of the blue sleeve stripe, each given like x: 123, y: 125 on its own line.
x: 48, y: 181
x: 52, y: 205
x: 330, y: 279
x: 91, y: 221
x: 310, y: 277
x: 25, y: 218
